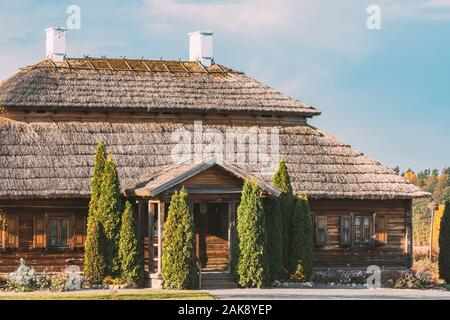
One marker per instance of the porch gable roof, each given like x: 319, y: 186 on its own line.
x: 173, y: 175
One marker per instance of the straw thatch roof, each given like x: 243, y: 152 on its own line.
x: 142, y: 86
x: 55, y: 159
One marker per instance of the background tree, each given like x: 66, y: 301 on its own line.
x: 131, y: 257
x: 99, y: 165
x: 274, y: 226
x: 282, y: 181
x: 302, y: 244
x: 252, y: 268
x: 179, y: 269
x: 94, y: 263
x: 109, y: 214
x: 444, y: 245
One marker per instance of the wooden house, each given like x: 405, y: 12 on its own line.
x: 55, y: 112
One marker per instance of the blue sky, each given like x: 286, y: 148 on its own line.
x: 385, y: 92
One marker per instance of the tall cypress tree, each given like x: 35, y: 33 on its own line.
x: 252, y: 268
x: 444, y: 244
x: 109, y: 214
x: 302, y: 242
x: 131, y: 257
x: 94, y: 263
x: 274, y: 238
x: 99, y: 165
x: 179, y: 268
x: 282, y: 181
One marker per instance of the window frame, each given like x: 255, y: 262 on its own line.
x: 59, y: 244
x: 365, y: 231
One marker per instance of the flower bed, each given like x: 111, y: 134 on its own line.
x: 418, y: 278
x: 26, y: 279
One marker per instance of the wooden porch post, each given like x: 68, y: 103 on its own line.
x: 231, y: 232
x: 151, y: 254
x: 161, y: 210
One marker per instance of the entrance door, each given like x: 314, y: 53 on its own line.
x: 211, y: 223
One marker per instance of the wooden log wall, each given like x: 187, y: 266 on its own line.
x: 393, y: 254
x: 26, y: 234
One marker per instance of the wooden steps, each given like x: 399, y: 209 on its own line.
x: 217, y: 254
x: 218, y: 280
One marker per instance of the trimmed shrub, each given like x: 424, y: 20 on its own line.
x: 94, y: 262
x: 251, y: 269
x: 282, y: 181
x: 179, y: 268
x: 274, y: 226
x: 99, y: 165
x: 444, y: 245
x: 131, y: 257
x: 109, y: 214
x: 302, y: 242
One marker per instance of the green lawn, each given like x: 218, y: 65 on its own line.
x: 127, y: 295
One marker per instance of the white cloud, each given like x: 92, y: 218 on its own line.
x: 339, y: 26
x: 431, y: 10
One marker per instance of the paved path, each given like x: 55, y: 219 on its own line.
x: 329, y: 294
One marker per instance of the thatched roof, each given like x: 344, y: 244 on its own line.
x: 142, y: 86
x: 55, y: 159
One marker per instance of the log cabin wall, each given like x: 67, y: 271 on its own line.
x: 335, y: 219
x: 48, y: 234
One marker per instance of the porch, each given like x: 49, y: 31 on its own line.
x: 214, y: 195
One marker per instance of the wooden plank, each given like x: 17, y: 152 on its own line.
x: 161, y: 210
x: 151, y: 254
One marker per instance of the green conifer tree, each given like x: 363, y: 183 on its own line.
x: 99, y: 165
x: 131, y: 257
x: 109, y: 214
x: 274, y: 238
x: 282, y: 181
x: 302, y: 238
x: 251, y: 269
x: 179, y: 268
x: 94, y: 263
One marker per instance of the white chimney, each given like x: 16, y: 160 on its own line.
x: 201, y: 47
x: 56, y: 44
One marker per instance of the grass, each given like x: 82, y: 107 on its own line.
x: 114, y: 295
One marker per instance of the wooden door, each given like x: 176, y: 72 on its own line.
x: 212, y: 236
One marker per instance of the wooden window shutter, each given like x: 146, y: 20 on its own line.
x: 321, y: 230
x: 13, y: 232
x: 39, y: 232
x: 79, y: 232
x: 380, y: 233
x: 346, y: 230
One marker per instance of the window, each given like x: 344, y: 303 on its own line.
x: 346, y: 230
x: 321, y: 230
x: 362, y: 230
x: 58, y: 232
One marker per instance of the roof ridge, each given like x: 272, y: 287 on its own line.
x: 140, y: 65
